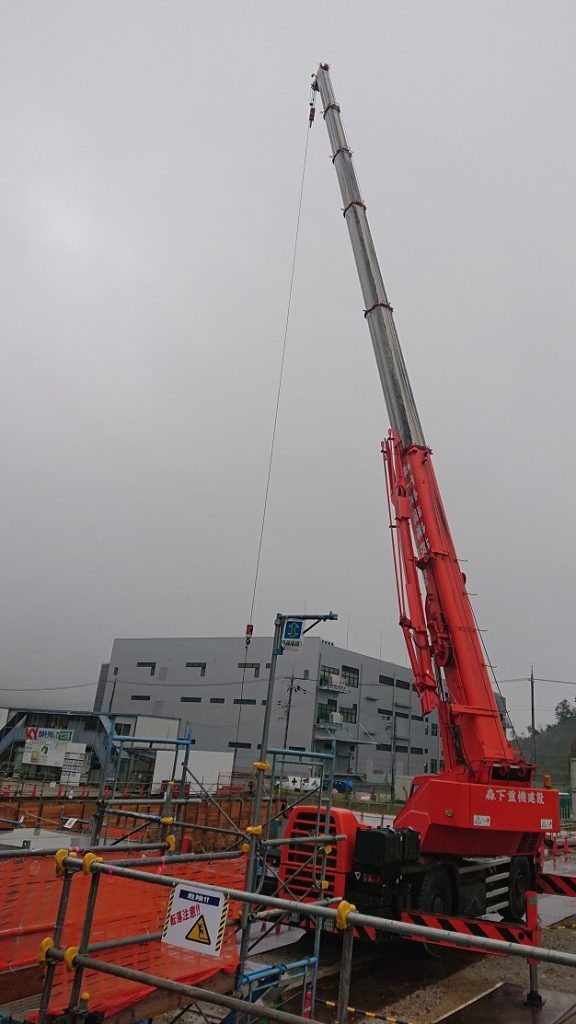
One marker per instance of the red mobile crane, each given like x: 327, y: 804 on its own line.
x: 467, y: 839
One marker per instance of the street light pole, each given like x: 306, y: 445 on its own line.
x: 261, y: 765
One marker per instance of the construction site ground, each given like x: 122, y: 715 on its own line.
x: 400, y: 980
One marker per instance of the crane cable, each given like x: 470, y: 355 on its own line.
x: 249, y: 628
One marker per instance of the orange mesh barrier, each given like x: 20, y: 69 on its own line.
x: 30, y: 892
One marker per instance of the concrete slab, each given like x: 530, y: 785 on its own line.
x: 507, y: 1005
x: 41, y: 839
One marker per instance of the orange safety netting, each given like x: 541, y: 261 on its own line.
x: 29, y: 898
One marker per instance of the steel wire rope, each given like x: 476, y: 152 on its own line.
x: 279, y: 391
x: 490, y: 666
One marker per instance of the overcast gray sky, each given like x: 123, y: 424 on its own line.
x: 148, y: 190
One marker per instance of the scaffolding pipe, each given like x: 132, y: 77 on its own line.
x: 184, y: 858
x: 76, y: 987
x: 319, y: 840
x: 383, y: 924
x: 128, y: 940
x: 211, y: 799
x: 58, y: 929
x: 18, y: 853
x: 229, y: 1002
x: 345, y: 976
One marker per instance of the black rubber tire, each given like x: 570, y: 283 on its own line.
x: 436, y: 891
x: 436, y: 897
x: 521, y: 881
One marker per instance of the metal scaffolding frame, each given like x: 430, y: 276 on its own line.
x: 344, y: 918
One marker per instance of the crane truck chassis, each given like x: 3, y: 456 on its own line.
x: 468, y: 841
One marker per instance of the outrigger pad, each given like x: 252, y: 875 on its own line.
x: 507, y: 1005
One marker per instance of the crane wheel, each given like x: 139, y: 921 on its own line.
x: 521, y: 881
x: 436, y: 897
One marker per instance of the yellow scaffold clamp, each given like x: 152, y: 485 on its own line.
x: 171, y: 843
x: 254, y: 830
x: 45, y: 945
x: 245, y: 848
x: 59, y: 858
x: 342, y: 910
x: 167, y: 821
x: 69, y: 957
x: 261, y: 766
x: 88, y: 860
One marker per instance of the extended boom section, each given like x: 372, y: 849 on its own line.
x: 460, y: 809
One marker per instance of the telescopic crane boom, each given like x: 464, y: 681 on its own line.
x: 476, y: 802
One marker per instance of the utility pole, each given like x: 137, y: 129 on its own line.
x: 393, y: 767
x: 533, y: 714
x: 288, y: 711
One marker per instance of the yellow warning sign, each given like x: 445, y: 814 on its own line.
x: 199, y: 932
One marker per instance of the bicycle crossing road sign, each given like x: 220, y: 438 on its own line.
x: 196, y: 919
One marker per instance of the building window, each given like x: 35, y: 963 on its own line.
x: 306, y: 673
x: 434, y: 730
x: 386, y: 680
x: 385, y: 711
x: 150, y: 665
x: 400, y: 749
x: 296, y: 748
x: 140, y: 696
x: 217, y: 700
x: 350, y: 676
x: 416, y: 750
x: 244, y: 700
x: 251, y: 664
x: 433, y: 765
x: 326, y: 673
x: 401, y: 714
x: 190, y: 700
x: 115, y: 672
x: 402, y: 684
x: 383, y: 746
x: 264, y: 703
x: 197, y: 664
x: 349, y: 714
x: 240, y: 746
x: 122, y: 728
x: 325, y: 710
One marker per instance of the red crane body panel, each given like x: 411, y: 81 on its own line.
x: 466, y: 819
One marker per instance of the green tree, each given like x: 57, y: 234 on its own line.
x: 564, y: 710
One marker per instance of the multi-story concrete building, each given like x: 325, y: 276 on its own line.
x: 326, y: 699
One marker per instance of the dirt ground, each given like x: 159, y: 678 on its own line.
x: 401, y: 980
